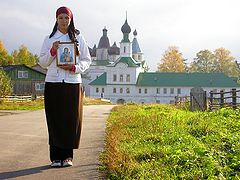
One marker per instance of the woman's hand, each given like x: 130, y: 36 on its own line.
x: 55, y: 45
x: 67, y: 67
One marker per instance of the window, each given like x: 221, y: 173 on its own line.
x: 121, y: 90
x: 179, y: 90
x: 145, y: 91
x: 164, y: 90
x: 139, y: 91
x: 121, y: 78
x: 128, y: 78
x: 139, y: 57
x: 171, y: 90
x: 22, y: 74
x: 114, y: 77
x: 158, y: 90
x: 39, y: 86
x: 102, y: 90
x: 127, y: 90
x: 97, y: 90
x: 114, y: 90
x: 124, y: 49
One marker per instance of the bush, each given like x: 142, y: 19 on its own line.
x: 5, y: 84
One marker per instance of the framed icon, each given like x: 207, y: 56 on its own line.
x: 66, y: 53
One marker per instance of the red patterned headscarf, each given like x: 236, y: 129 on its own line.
x: 65, y: 10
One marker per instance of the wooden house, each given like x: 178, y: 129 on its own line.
x: 25, y: 80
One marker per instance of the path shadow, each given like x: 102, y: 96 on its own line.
x: 23, y: 172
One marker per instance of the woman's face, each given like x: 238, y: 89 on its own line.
x: 63, y: 21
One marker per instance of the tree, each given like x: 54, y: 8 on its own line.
x: 5, y: 58
x: 204, y: 62
x: 172, y: 61
x: 23, y: 56
x: 225, y: 63
x: 5, y: 84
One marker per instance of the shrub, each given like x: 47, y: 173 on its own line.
x: 5, y: 84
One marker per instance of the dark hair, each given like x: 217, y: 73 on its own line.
x: 72, y: 32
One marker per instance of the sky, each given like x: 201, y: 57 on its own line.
x: 191, y: 25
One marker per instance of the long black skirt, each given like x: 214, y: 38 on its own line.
x: 63, y: 114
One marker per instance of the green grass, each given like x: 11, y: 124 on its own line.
x: 163, y: 142
x: 25, y: 105
x: 39, y: 104
x: 94, y: 101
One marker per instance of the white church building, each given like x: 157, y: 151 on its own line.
x: 120, y: 75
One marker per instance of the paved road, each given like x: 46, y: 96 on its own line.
x: 24, y: 146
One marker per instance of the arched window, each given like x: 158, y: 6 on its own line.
x: 128, y: 78
x: 121, y: 78
x: 121, y: 90
x: 114, y: 77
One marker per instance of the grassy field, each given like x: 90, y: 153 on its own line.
x: 24, y: 105
x: 163, y: 142
x: 39, y: 104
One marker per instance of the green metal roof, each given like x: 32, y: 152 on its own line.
x: 101, y: 80
x: 100, y: 63
x: 126, y: 60
x: 185, y: 79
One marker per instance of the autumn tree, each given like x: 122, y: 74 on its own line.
x: 5, y: 84
x: 5, y: 58
x: 219, y: 61
x: 225, y: 63
x: 204, y: 62
x: 23, y: 56
x: 172, y: 61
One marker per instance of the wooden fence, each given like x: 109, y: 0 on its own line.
x: 19, y: 98
x: 216, y: 100
x: 179, y: 100
x: 224, y: 99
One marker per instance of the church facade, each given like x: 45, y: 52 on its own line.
x: 121, y: 75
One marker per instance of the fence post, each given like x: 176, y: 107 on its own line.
x: 176, y: 100
x: 222, y: 99
x: 205, y: 100
x: 211, y: 100
x: 234, y: 98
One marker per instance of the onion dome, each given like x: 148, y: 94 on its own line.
x: 126, y: 28
x: 135, y: 32
x: 114, y: 50
x: 104, y: 41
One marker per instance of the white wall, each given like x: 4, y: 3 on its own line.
x: 150, y: 97
x: 128, y: 49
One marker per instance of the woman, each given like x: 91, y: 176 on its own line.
x: 62, y: 89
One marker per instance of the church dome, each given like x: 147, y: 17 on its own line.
x: 135, y: 32
x: 104, y: 41
x: 135, y: 45
x: 126, y: 28
x: 114, y: 50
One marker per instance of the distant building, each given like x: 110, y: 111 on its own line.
x: 104, y: 55
x: 124, y: 78
x: 25, y: 80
